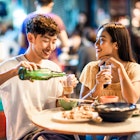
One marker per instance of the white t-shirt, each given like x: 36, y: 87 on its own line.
x: 21, y: 98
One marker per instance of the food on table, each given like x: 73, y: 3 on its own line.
x: 82, y: 112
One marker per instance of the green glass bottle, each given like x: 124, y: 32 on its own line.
x: 39, y: 74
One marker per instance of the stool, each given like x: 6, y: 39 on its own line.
x: 2, y: 125
x: 2, y: 122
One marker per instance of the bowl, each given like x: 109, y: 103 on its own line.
x: 115, y: 112
x: 109, y: 99
x: 67, y: 104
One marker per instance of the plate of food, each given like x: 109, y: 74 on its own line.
x: 77, y: 114
x: 136, y: 112
x: 60, y: 117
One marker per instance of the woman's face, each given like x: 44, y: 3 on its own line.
x: 104, y: 46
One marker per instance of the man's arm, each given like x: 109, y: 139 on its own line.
x: 7, y: 75
x: 4, y: 76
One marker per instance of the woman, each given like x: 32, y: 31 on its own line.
x: 112, y: 47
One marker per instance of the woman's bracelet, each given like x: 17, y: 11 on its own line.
x: 90, y: 95
x: 93, y: 98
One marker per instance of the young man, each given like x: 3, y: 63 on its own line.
x: 19, y: 97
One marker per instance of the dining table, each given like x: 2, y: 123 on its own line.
x: 49, y: 120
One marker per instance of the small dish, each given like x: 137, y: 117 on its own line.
x: 109, y: 99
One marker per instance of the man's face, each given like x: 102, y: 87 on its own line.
x: 44, y: 45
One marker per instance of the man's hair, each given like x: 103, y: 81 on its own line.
x: 44, y: 2
x: 41, y: 24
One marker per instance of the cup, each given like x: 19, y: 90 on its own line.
x: 68, y: 89
x: 109, y: 99
x: 102, y: 67
x: 68, y: 84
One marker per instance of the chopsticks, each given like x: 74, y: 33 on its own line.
x: 73, y: 99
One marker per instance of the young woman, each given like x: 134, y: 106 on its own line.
x: 113, y: 47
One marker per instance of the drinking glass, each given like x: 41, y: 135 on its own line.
x: 68, y: 86
x: 102, y: 67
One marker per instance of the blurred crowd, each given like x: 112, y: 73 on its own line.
x: 80, y: 44
x: 79, y: 51
x: 8, y: 41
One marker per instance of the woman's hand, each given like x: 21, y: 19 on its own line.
x: 108, y: 60
x: 114, y: 63
x: 103, y: 77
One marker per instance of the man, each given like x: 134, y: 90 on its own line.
x: 20, y: 97
x: 43, y: 7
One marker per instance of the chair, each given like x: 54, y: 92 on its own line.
x: 2, y: 122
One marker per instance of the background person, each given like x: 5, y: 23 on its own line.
x: 19, y: 96
x: 43, y: 7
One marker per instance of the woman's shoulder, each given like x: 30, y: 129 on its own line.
x: 133, y: 71
x: 133, y: 66
x: 92, y: 64
x: 87, y: 76
x: 91, y: 68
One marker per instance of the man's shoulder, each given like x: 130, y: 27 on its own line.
x: 8, y: 63
x: 30, y: 15
x: 53, y: 15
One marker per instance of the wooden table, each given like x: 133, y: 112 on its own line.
x: 44, y: 120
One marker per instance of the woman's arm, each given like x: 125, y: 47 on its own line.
x: 86, y: 93
x: 130, y: 90
x: 101, y: 78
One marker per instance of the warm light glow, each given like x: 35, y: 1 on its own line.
x: 136, y: 12
x: 124, y: 20
x: 135, y: 22
x: 18, y: 17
